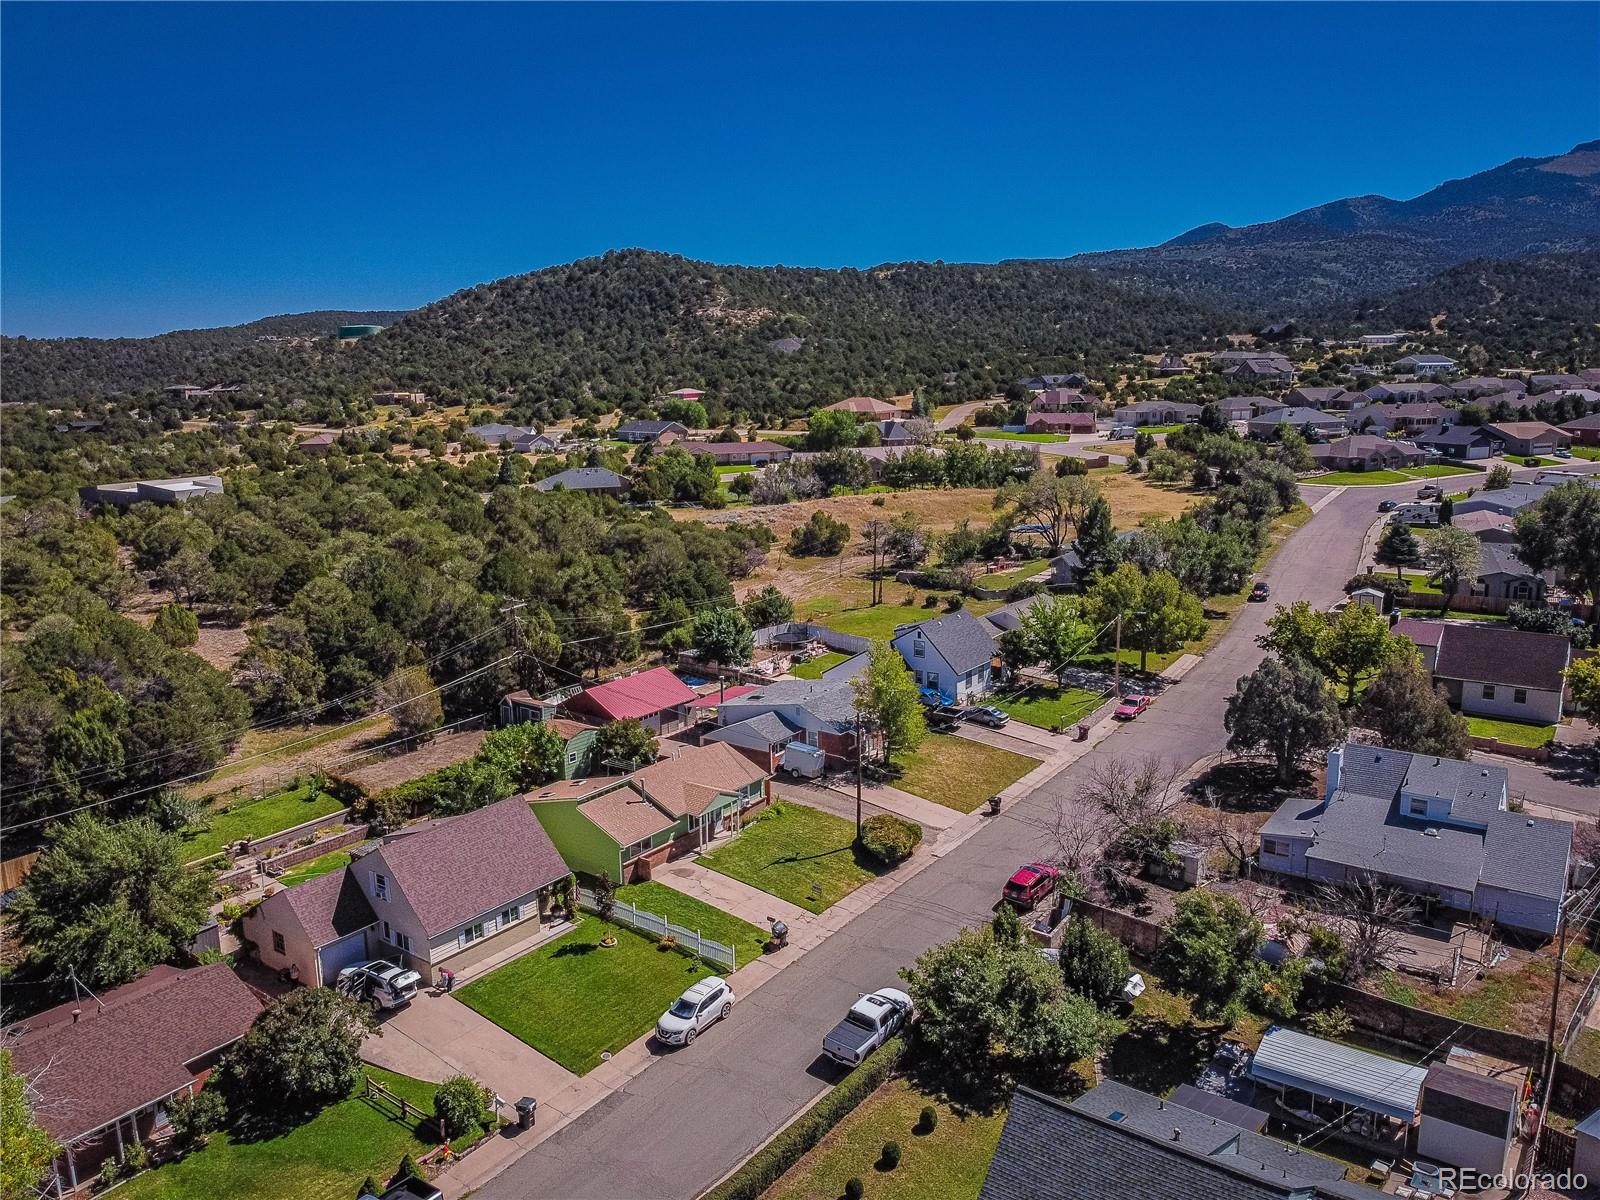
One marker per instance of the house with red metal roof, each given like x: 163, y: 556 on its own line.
x: 656, y: 698
x: 104, y: 1068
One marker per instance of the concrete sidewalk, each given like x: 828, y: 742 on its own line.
x: 731, y: 895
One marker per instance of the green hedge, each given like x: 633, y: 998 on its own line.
x: 767, y: 1165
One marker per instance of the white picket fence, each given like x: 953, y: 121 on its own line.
x: 656, y: 925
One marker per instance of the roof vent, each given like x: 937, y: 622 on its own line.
x: 1530, y: 822
x: 1177, y: 1134
x: 1430, y: 832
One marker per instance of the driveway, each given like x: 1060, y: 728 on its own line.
x: 875, y: 797
x: 732, y: 896
x: 436, y: 1036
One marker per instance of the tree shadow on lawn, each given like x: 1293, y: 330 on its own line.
x: 862, y: 859
x: 1245, y: 786
x: 574, y: 948
x: 1155, y: 1056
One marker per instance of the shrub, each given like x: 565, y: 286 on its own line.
x: 408, y: 1169
x: 370, y: 1187
x: 891, y: 1155
x: 929, y: 1121
x: 854, y: 1189
x: 1330, y: 1023
x: 890, y: 839
x: 460, y: 1103
x: 955, y: 601
x: 136, y: 1155
x: 110, y: 1174
x: 605, y: 896
x: 767, y: 1165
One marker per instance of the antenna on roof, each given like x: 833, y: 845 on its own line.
x: 77, y: 985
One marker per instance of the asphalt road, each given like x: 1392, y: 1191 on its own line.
x: 685, y: 1122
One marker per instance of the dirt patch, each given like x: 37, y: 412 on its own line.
x: 267, y: 760
x: 939, y: 509
x: 443, y: 751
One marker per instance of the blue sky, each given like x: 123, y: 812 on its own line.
x: 178, y: 165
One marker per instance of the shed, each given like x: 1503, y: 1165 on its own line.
x: 1586, y: 1158
x: 1468, y: 1120
x: 1290, y: 1062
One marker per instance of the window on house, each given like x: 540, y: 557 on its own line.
x: 380, y: 887
x: 472, y: 933
x: 1519, y: 696
x: 508, y: 915
x: 277, y: 942
x: 1488, y: 691
x: 386, y: 934
x: 919, y: 648
x: 1419, y: 806
x: 632, y: 852
x: 1268, y: 846
x: 933, y: 680
x: 403, y: 940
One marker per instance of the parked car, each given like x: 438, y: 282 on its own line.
x: 988, y: 714
x: 1030, y: 884
x: 1430, y: 491
x: 703, y: 1004
x: 383, y: 985
x: 1562, y: 453
x: 1132, y: 705
x: 1261, y: 591
x: 943, y: 718
x: 1387, y: 505
x: 871, y: 1021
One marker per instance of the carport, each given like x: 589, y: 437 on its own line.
x: 1318, y: 1081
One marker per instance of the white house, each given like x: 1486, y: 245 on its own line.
x: 951, y: 656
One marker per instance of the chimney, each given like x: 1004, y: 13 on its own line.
x: 1335, y: 763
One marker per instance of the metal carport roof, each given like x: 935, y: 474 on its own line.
x: 1337, y: 1072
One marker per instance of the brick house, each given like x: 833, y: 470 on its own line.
x: 1060, y: 422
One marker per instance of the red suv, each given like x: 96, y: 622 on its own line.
x: 1031, y: 884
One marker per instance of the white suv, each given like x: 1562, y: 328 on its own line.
x: 381, y: 984
x: 707, y: 1001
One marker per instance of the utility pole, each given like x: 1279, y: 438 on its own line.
x: 1116, y: 662
x: 858, y: 774
x: 1555, y: 998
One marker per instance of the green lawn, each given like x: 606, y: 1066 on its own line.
x: 573, y: 999
x: 1005, y: 579
x: 1025, y: 437
x: 683, y: 910
x: 329, y: 1155
x: 1592, y: 453
x: 1421, y: 583
x: 739, y: 469
x: 1359, y: 478
x: 1048, y: 709
x: 1436, y: 615
x: 877, y: 623
x: 1515, y: 733
x: 1155, y: 661
x: 315, y: 867
x: 814, y: 668
x: 257, y: 818
x: 789, y: 850
x: 959, y: 773
x: 1438, y: 471
x: 1159, y: 428
x: 947, y: 1162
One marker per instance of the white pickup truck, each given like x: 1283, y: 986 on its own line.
x: 871, y: 1021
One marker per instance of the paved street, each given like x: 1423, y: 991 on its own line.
x: 696, y: 1114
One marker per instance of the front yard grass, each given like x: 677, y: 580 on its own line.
x: 1438, y: 471
x: 813, y: 668
x: 1592, y: 453
x: 1358, y: 478
x: 1005, y: 579
x: 573, y: 999
x: 1024, y: 437
x: 1452, y: 615
x: 1048, y: 709
x: 789, y: 850
x: 329, y: 1155
x: 947, y: 1162
x: 258, y: 818
x: 959, y: 773
x: 878, y: 623
x: 315, y: 867
x: 684, y: 910
x: 1514, y: 733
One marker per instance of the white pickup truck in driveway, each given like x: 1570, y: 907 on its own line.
x: 871, y: 1021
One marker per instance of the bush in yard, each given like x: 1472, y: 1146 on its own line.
x: 605, y: 896
x: 369, y: 1187
x: 1330, y: 1023
x: 853, y: 1188
x: 891, y: 1155
x: 1328, y: 946
x: 890, y: 839
x: 195, y: 1118
x: 929, y: 1120
x: 408, y: 1169
x: 302, y: 1053
x: 1093, y: 962
x: 768, y: 1164
x: 460, y: 1103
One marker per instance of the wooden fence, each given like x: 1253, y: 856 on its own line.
x: 14, y: 870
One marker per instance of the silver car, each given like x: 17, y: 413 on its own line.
x: 703, y: 1004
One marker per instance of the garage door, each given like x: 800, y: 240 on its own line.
x: 352, y: 948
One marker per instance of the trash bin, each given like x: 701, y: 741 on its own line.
x: 994, y: 806
x: 1083, y: 731
x: 526, y: 1107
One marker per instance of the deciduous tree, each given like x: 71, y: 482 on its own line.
x: 889, y: 701
x: 1453, y: 556
x: 1286, y: 708
x: 302, y: 1053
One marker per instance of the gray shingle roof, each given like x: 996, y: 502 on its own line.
x: 1488, y: 653
x: 960, y: 639
x: 582, y: 479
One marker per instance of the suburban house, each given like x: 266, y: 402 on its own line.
x: 648, y: 431
x: 1488, y: 527
x: 1528, y: 437
x: 951, y: 657
x: 822, y: 713
x: 738, y: 454
x: 1425, y: 364
x: 1172, y: 364
x: 1059, y: 400
x: 1261, y: 369
x: 106, y: 1067
x: 438, y: 891
x: 1067, y: 569
x: 1060, y: 422
x: 1491, y: 671
x: 1269, y: 425
x: 1408, y: 392
x: 520, y: 708
x: 1487, y: 385
x: 1438, y: 828
x: 626, y: 827
x: 1507, y: 501
x: 1115, y: 1141
x: 903, y: 433
x: 1324, y: 398
x: 1407, y: 417
x: 1041, y: 383
x: 513, y: 437
x: 1502, y: 575
x: 180, y: 490
x: 1556, y: 382
x: 1009, y: 616
x: 657, y: 698
x: 585, y: 479
x: 693, y: 395
x: 1381, y: 339
x: 869, y: 407
x: 1462, y: 442
x: 1242, y: 408
x: 317, y: 444
x: 1365, y: 452
x: 762, y: 739
x: 1584, y: 431
x: 1157, y: 412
